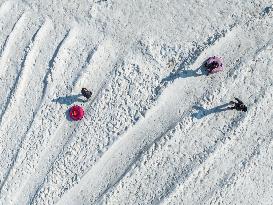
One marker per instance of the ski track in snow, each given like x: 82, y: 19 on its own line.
x: 13, y: 13
x: 8, y: 45
x: 22, y: 91
x: 138, y: 142
x: 23, y: 77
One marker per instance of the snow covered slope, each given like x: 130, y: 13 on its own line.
x: 142, y: 141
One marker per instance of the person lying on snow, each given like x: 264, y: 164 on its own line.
x: 86, y: 93
x: 239, y: 105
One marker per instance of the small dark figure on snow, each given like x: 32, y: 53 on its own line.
x: 212, y: 66
x: 239, y: 105
x: 86, y: 93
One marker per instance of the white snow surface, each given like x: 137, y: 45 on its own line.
x: 142, y: 139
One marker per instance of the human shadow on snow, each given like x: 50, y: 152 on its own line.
x: 186, y: 74
x: 69, y: 100
x: 202, y: 112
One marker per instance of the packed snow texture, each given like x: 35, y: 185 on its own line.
x: 152, y: 133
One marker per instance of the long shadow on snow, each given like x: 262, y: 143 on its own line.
x: 202, y: 112
x: 186, y: 74
x: 69, y: 100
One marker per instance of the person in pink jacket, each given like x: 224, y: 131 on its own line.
x: 214, y: 64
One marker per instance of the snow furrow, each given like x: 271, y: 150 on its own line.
x: 48, y: 75
x: 13, y: 63
x: 20, y: 99
x: 18, y: 79
x: 16, y: 28
x: 9, y: 12
x: 36, y: 85
x: 52, y: 141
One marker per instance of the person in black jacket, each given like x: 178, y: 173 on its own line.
x: 239, y: 105
x: 86, y: 93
